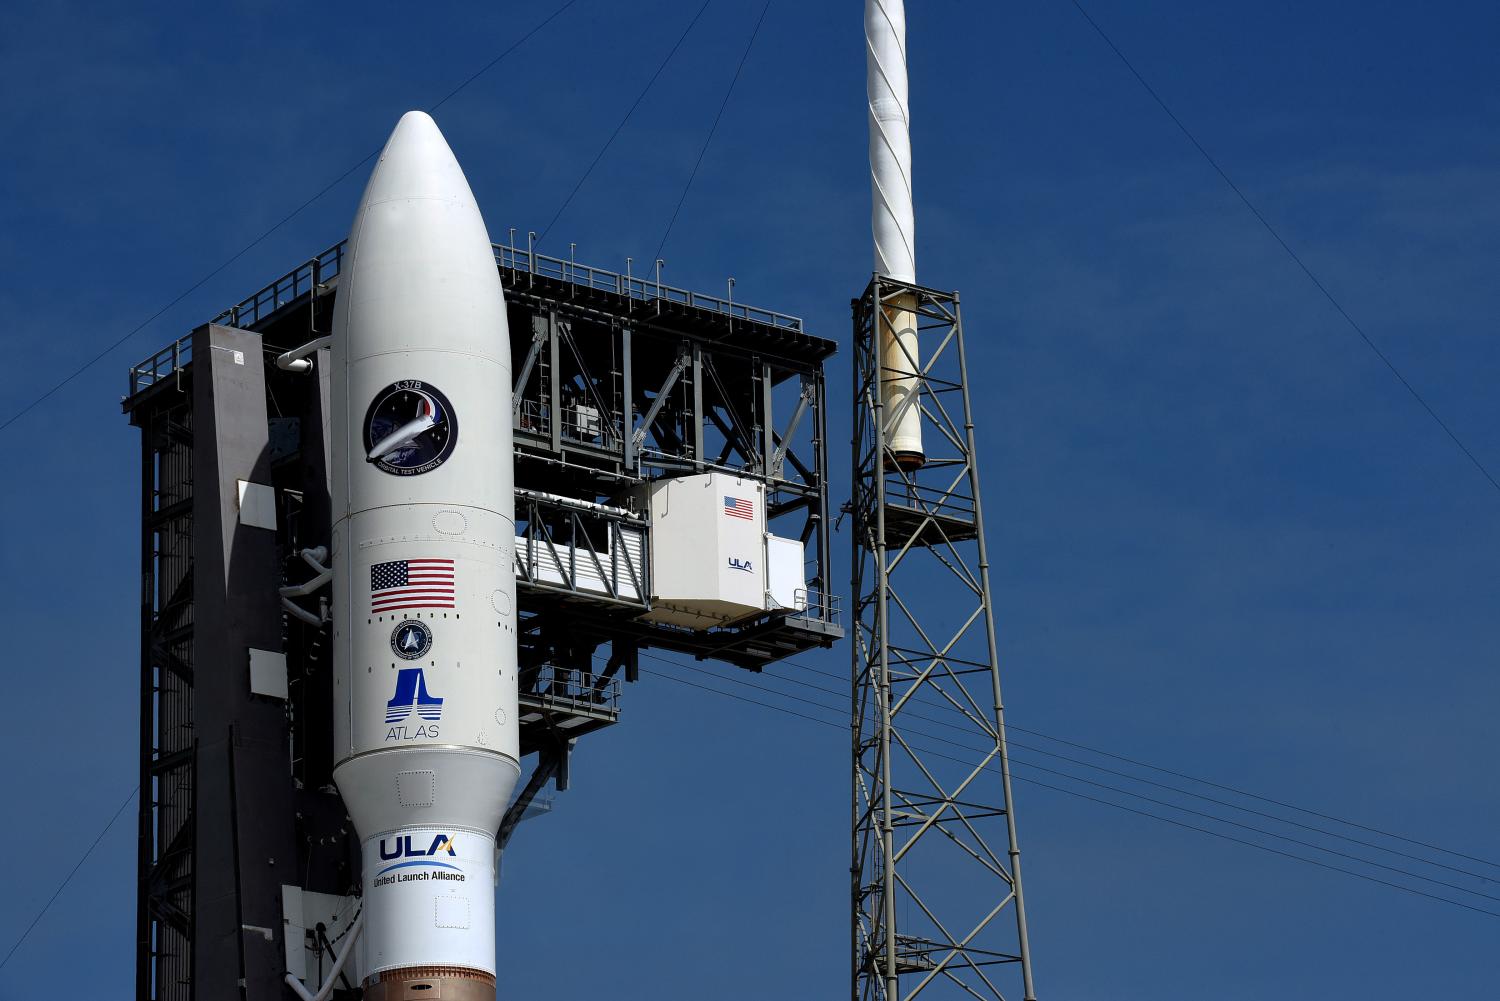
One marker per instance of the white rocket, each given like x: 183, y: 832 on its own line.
x: 893, y: 225
x: 426, y: 735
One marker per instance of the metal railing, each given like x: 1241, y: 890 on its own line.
x: 306, y: 277
x: 583, y: 424
x: 951, y: 502
x: 525, y: 260
x: 553, y: 688
x: 246, y: 313
x: 818, y: 606
x: 165, y: 364
x: 287, y: 289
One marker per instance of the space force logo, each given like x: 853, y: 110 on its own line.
x: 410, y: 429
x: 412, y: 699
x: 411, y: 640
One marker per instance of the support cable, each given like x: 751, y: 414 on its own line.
x: 1118, y: 806
x: 110, y: 348
x: 1160, y: 785
x: 69, y: 877
x: 1021, y: 762
x: 1275, y: 235
x: 1181, y: 775
x: 713, y: 128
x: 619, y: 128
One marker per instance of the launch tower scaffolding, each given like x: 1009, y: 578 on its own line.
x: 247, y: 865
x: 937, y: 904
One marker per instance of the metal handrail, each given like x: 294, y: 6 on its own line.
x: 287, y: 289
x: 527, y: 261
x: 818, y: 605
x: 162, y: 365
x: 311, y: 274
x: 572, y: 687
x: 929, y: 499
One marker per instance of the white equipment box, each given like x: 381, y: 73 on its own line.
x: 712, y: 563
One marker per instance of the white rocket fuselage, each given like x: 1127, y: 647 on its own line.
x: 426, y: 731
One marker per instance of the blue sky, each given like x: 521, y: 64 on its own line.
x: 1225, y: 539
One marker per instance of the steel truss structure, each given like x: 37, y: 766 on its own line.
x: 619, y: 381
x: 166, y: 835
x: 938, y: 909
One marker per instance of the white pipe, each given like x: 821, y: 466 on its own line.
x: 583, y: 505
x: 315, y: 557
x: 892, y: 220
x: 893, y: 224
x: 333, y: 974
x: 298, y: 590
x: 301, y: 613
x: 296, y: 360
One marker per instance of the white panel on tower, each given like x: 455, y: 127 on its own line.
x: 268, y: 673
x: 257, y: 505
x: 707, y: 550
x: 786, y: 587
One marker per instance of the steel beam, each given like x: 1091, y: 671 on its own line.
x: 937, y: 908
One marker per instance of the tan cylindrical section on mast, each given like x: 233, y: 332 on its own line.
x: 899, y: 384
x: 893, y: 226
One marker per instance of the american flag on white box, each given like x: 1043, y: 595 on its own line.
x: 739, y: 507
x: 411, y: 584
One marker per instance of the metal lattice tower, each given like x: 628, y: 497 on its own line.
x: 937, y: 904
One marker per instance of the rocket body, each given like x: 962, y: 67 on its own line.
x: 426, y: 730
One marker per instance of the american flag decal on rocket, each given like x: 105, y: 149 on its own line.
x: 411, y: 584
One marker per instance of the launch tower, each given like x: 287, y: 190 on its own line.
x: 937, y: 904
x: 644, y: 416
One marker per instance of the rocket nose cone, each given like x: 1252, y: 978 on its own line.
x: 416, y: 163
x: 416, y: 127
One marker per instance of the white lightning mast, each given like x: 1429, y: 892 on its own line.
x: 938, y: 910
x: 893, y: 221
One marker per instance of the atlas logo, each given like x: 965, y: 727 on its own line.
x: 411, y: 697
x: 738, y: 564
x: 414, y: 855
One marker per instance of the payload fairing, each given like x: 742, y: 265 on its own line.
x: 426, y: 729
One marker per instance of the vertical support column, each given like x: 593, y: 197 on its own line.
x: 698, y: 415
x: 820, y: 453
x: 244, y: 814
x: 554, y: 383
x: 1013, y: 850
x: 146, y: 837
x: 627, y: 421
x: 937, y: 904
x: 767, y: 420
x: 167, y: 860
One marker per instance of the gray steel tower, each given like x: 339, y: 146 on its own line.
x: 937, y: 904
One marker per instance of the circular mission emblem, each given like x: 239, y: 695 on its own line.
x: 411, y: 640
x: 410, y: 428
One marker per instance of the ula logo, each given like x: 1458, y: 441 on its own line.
x: 411, y: 696
x: 415, y: 856
x: 401, y: 847
x: 738, y: 564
